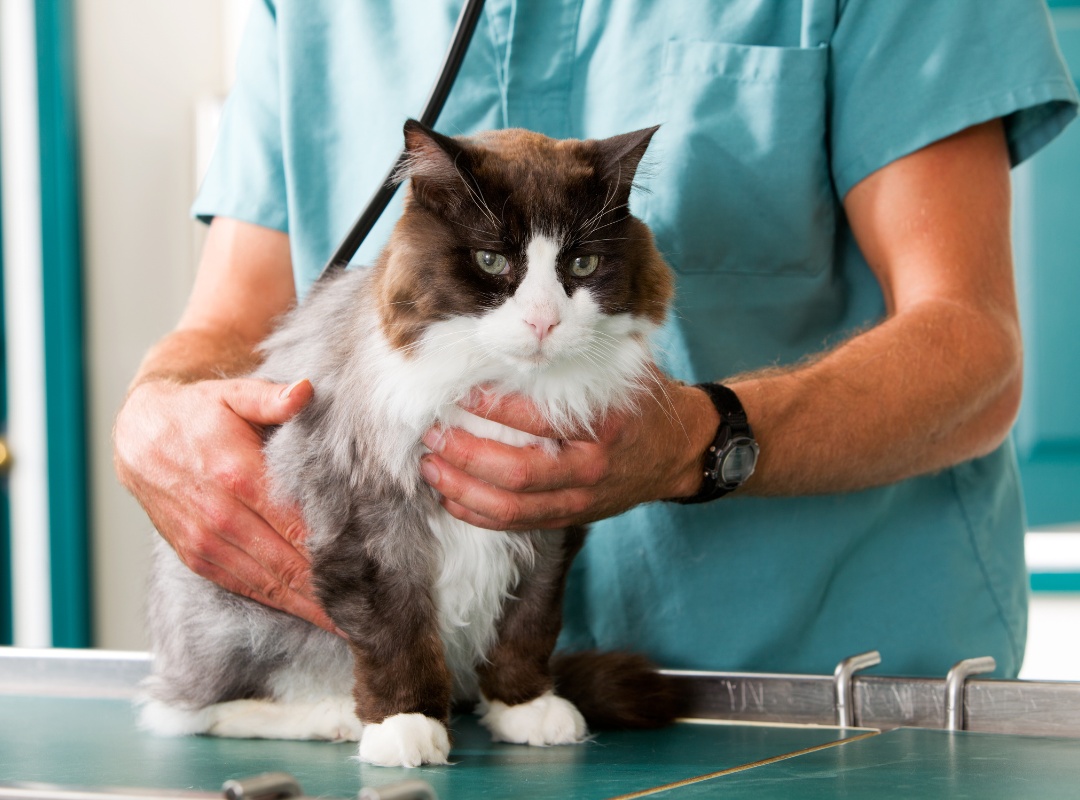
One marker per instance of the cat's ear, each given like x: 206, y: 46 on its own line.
x: 623, y: 153
x: 436, y: 164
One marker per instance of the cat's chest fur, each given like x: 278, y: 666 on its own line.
x: 478, y: 568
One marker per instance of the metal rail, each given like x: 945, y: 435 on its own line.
x: 1033, y: 708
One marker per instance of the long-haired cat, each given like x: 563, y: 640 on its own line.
x: 517, y: 267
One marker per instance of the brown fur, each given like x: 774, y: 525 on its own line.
x: 618, y: 690
x: 517, y: 668
x: 492, y: 192
x: 375, y: 556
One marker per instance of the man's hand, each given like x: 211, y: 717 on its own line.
x: 192, y: 456
x: 649, y: 453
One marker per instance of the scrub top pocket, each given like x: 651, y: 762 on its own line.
x: 743, y: 183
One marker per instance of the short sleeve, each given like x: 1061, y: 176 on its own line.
x: 906, y: 74
x: 245, y: 179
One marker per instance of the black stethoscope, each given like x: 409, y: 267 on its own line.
x: 463, y: 32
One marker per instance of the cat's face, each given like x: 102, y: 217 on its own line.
x: 520, y: 249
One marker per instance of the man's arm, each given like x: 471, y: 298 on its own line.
x: 939, y: 380
x: 935, y: 383
x: 187, y: 440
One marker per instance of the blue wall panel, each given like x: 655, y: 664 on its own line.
x: 62, y: 274
x: 1047, y: 235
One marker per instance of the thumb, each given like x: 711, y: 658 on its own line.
x: 265, y: 403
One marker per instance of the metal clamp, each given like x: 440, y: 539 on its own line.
x: 955, y: 684
x: 842, y: 677
x: 268, y: 786
x: 404, y: 790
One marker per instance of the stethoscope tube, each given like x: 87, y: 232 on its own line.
x: 463, y: 33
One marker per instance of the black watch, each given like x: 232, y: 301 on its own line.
x: 733, y: 454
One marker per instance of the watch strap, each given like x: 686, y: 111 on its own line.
x: 733, y: 424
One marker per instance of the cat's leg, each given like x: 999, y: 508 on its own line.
x: 402, y: 684
x: 519, y: 702
x: 330, y: 719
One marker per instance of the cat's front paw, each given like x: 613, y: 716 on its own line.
x: 405, y: 740
x: 549, y: 719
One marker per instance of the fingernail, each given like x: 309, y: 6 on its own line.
x: 288, y: 390
x: 341, y: 633
x: 429, y: 471
x: 434, y: 440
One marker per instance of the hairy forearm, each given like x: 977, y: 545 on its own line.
x: 192, y: 354
x: 926, y: 389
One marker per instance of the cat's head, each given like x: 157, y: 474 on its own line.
x: 525, y: 247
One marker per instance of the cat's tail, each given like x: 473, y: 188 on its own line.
x: 617, y: 690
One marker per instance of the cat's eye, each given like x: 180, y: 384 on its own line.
x: 584, y: 265
x: 491, y: 262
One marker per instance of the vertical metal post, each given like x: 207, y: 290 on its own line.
x: 842, y: 677
x: 955, y: 683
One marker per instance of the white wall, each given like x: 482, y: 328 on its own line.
x: 143, y: 67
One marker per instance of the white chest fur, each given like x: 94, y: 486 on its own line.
x: 411, y: 391
x: 478, y: 572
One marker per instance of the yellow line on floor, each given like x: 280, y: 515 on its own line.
x: 743, y: 767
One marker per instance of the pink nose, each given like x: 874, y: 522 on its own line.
x: 542, y: 326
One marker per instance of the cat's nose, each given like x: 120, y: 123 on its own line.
x: 542, y: 325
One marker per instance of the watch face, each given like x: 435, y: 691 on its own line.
x: 739, y: 461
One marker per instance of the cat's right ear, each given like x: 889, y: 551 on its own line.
x: 435, y: 164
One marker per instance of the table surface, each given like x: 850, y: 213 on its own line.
x: 94, y: 743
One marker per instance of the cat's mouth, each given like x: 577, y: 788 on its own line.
x: 534, y: 358
x: 538, y: 359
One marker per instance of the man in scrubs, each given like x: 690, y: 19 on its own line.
x: 830, y: 184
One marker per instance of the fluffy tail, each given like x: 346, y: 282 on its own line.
x: 617, y: 690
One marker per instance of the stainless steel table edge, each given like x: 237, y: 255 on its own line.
x: 1035, y: 708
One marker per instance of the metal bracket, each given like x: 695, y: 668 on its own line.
x: 842, y: 677
x: 404, y: 790
x: 267, y: 786
x: 955, y: 685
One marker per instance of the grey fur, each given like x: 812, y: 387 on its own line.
x: 383, y: 550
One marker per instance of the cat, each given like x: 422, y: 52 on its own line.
x: 516, y: 266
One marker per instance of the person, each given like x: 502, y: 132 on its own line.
x: 829, y: 182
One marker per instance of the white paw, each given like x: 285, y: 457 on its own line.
x: 405, y: 740
x: 548, y: 719
x: 165, y: 720
x: 332, y: 719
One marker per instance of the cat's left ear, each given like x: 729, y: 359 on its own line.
x: 431, y: 155
x: 623, y: 153
x: 435, y: 163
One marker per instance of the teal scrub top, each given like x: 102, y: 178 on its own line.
x: 771, y: 110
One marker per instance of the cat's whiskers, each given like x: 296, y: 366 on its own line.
x: 585, y: 242
x: 464, y: 336
x: 490, y: 238
x: 426, y: 354
x: 590, y: 224
x: 601, y: 227
x: 612, y: 194
x: 477, y: 196
x: 670, y: 411
x: 604, y: 345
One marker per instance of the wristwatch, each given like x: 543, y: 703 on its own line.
x: 733, y: 454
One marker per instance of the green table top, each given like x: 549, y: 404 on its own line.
x: 912, y: 763
x: 94, y: 742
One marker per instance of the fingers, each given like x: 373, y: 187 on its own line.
x: 520, y: 469
x: 238, y: 550
x: 514, y: 411
x: 235, y: 571
x: 496, y: 508
x: 265, y: 403
x: 190, y: 456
